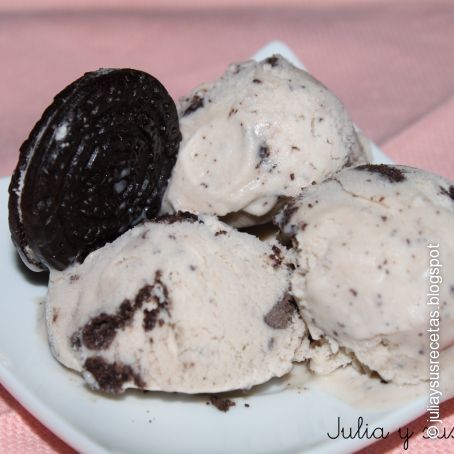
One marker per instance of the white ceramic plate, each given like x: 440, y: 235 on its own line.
x: 280, y: 419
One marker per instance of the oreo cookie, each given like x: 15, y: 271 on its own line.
x: 96, y: 164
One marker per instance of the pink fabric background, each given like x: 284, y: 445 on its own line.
x: 392, y: 64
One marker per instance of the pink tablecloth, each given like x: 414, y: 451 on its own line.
x: 392, y: 63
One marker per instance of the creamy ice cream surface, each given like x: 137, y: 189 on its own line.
x: 185, y: 304
x: 364, y: 241
x: 256, y: 137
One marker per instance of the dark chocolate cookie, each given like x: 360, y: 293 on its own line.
x: 96, y: 163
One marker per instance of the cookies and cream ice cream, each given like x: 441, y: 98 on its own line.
x: 184, y: 304
x: 364, y: 240
x: 256, y: 137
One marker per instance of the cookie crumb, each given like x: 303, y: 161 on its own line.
x: 222, y: 404
x: 196, y: 103
x: 281, y: 314
x: 393, y: 174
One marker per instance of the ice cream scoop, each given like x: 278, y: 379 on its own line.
x: 256, y: 137
x: 375, y: 269
x: 183, y: 304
